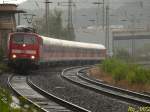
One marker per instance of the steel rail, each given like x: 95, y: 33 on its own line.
x: 84, y: 76
x: 74, y: 75
x: 140, y: 96
x: 19, y: 95
x: 40, y: 98
x: 60, y: 101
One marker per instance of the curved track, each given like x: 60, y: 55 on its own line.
x: 76, y: 76
x: 40, y: 98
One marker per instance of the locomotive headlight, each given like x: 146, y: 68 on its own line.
x: 24, y: 45
x: 14, y: 56
x: 32, y: 57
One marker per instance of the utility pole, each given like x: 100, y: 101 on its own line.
x: 103, y: 14
x: 107, y: 29
x: 98, y: 14
x: 70, y: 27
x: 103, y: 11
x: 47, y: 16
x: 70, y: 24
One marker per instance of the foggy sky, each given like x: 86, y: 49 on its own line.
x: 79, y: 3
x: 12, y: 1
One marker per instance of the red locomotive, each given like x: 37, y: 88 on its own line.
x: 32, y: 48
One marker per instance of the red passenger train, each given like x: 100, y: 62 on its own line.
x: 32, y: 48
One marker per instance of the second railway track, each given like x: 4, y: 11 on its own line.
x: 40, y: 98
x: 73, y: 74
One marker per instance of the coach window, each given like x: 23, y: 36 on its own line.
x: 87, y: 52
x: 98, y: 52
x: 84, y: 52
x: 95, y: 52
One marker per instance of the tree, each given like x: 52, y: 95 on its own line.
x: 56, y: 28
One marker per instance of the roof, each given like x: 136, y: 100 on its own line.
x: 9, y: 8
x: 12, y: 11
x: 67, y: 43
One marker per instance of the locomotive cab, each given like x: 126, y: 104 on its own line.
x: 24, y: 48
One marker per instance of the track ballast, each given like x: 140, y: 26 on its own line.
x: 76, y: 76
x: 50, y: 103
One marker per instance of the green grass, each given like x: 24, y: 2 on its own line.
x: 121, y: 70
x: 6, y: 100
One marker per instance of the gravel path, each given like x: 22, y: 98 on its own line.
x: 52, y: 82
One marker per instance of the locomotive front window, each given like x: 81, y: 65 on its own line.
x: 17, y: 39
x: 29, y: 39
x: 23, y: 39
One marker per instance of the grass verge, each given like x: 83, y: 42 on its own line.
x: 120, y: 70
x: 7, y: 104
x: 120, y: 73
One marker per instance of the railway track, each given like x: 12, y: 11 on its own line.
x: 76, y: 76
x: 46, y: 102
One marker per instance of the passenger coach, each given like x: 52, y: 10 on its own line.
x: 31, y: 48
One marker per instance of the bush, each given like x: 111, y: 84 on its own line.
x: 109, y: 64
x: 138, y: 75
x: 119, y: 73
x: 131, y: 77
x: 120, y: 70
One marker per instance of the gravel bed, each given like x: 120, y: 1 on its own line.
x: 51, y: 81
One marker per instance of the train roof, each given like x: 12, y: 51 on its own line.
x: 67, y: 43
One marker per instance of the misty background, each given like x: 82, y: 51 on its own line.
x: 87, y: 17
x: 122, y: 12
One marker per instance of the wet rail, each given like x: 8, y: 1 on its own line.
x: 46, y: 102
x: 77, y: 76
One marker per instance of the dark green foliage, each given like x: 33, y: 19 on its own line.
x: 120, y: 70
x: 108, y: 65
x: 115, y: 67
x: 138, y: 75
x: 119, y: 73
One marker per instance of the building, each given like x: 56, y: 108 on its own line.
x: 7, y: 22
x: 132, y: 42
